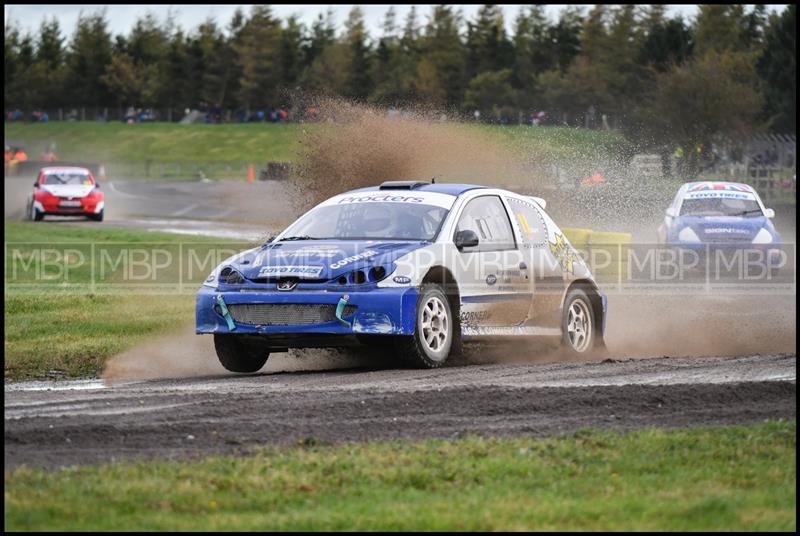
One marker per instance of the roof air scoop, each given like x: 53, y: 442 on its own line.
x: 401, y: 185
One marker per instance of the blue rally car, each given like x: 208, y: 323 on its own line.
x: 713, y: 216
x: 414, y: 266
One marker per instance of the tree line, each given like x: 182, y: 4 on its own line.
x: 729, y: 70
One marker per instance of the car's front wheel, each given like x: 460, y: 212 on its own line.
x: 432, y: 341
x: 35, y: 214
x: 578, y: 323
x: 239, y: 354
x: 98, y: 216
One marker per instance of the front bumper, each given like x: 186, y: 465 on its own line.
x: 54, y: 207
x: 381, y: 311
x: 705, y: 251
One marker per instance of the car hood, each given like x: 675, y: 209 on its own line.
x: 68, y: 190
x: 318, y: 259
x: 725, y: 228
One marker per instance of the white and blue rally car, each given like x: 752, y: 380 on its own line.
x: 708, y: 216
x: 415, y: 266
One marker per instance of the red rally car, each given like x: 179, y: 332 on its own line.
x: 66, y: 191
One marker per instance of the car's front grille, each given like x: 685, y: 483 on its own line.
x: 285, y: 314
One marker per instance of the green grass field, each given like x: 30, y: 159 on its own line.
x: 223, y: 151
x: 65, y: 324
x: 717, y: 479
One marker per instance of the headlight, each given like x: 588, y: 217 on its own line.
x: 688, y: 235
x: 226, y: 275
x: 763, y: 237
x: 230, y: 276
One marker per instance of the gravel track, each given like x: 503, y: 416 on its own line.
x: 86, y: 422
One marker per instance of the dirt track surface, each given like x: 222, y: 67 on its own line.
x: 84, y: 422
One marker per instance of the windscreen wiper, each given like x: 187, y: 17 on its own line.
x: 302, y: 237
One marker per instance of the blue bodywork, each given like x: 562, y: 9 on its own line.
x: 323, y: 272
x: 388, y: 311
x: 735, y: 231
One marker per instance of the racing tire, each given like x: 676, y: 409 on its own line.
x: 98, y: 216
x: 240, y: 355
x: 434, y: 333
x: 35, y: 213
x: 579, y: 333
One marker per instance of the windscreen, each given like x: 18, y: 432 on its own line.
x: 718, y: 206
x: 67, y: 178
x: 374, y: 221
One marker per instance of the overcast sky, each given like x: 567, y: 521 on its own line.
x: 122, y: 17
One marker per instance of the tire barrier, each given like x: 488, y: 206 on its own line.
x: 605, y: 252
x: 609, y: 254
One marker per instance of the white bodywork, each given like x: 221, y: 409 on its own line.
x: 515, y: 291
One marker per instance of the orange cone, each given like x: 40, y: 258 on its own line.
x: 251, y: 173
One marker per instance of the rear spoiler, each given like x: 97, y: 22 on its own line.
x: 539, y: 201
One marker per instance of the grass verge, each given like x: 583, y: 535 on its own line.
x: 731, y: 478
x: 223, y: 151
x: 63, y: 324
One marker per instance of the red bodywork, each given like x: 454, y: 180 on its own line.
x: 53, y: 204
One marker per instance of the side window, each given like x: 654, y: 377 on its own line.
x: 529, y: 221
x: 487, y: 217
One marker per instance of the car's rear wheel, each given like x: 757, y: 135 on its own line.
x: 578, y: 323
x: 98, y: 216
x: 432, y: 341
x: 239, y: 354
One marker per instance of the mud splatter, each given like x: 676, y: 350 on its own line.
x: 184, y: 354
x: 358, y: 145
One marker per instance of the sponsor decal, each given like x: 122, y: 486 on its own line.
x: 310, y: 251
x: 403, y: 198
x: 721, y: 230
x: 401, y: 279
x: 471, y: 317
x: 564, y: 253
x: 388, y: 198
x: 312, y: 271
x: 347, y: 260
x: 491, y: 279
x: 719, y: 195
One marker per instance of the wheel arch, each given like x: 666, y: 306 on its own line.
x: 444, y: 277
x: 597, y: 301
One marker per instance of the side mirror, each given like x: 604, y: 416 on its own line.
x: 769, y: 213
x: 466, y: 239
x: 671, y: 212
x: 35, y: 184
x: 97, y: 185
